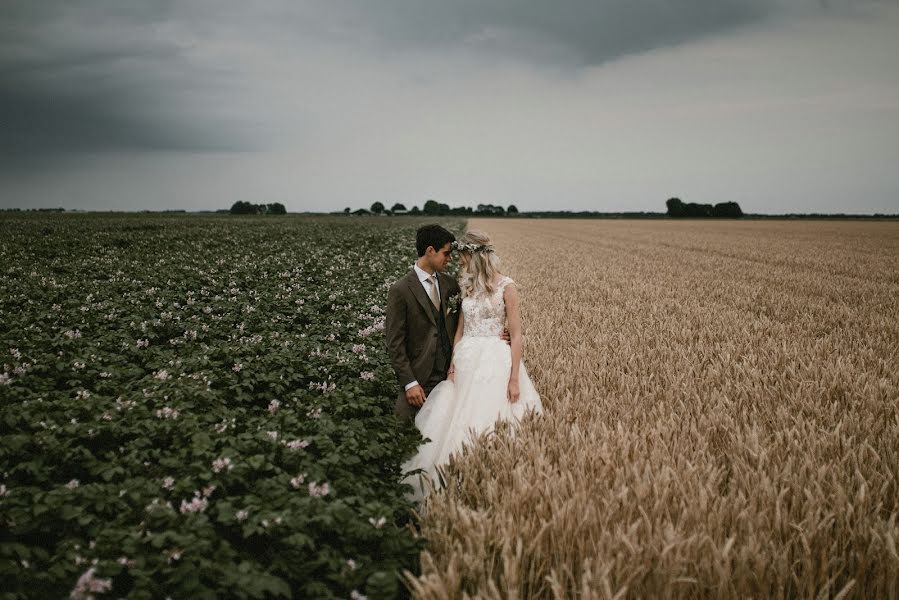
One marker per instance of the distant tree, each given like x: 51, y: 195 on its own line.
x: 443, y: 209
x: 377, y: 208
x: 692, y: 209
x: 432, y: 207
x: 241, y: 207
x: 276, y: 208
x: 347, y: 210
x: 727, y: 210
x: 512, y: 210
x: 490, y: 209
x: 398, y: 208
x: 415, y: 210
x: 675, y: 207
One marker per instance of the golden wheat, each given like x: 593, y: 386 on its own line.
x: 721, y: 418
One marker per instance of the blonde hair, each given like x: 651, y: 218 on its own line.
x: 483, y: 265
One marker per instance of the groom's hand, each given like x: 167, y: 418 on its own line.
x: 415, y: 395
x: 504, y: 336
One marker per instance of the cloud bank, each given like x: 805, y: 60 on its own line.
x: 608, y: 105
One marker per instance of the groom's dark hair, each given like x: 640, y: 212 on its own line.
x: 434, y: 236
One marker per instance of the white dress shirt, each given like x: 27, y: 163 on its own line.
x: 423, y: 277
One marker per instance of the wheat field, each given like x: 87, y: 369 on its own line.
x: 722, y: 418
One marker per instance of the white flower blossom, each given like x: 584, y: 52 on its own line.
x: 220, y: 464
x: 167, y: 412
x: 377, y: 523
x: 73, y: 484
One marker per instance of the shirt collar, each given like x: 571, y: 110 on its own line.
x: 422, y: 274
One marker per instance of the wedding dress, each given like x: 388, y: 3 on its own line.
x: 456, y: 411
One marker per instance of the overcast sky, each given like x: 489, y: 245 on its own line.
x: 780, y: 105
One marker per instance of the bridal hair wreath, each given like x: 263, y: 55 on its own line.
x: 469, y: 247
x: 480, y: 273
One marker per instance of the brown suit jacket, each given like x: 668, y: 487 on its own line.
x: 411, y: 328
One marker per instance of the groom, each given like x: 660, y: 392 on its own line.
x: 421, y: 324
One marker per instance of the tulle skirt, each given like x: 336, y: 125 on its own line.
x: 456, y: 412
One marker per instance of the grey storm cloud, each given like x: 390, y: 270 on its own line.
x: 110, y: 75
x: 98, y: 77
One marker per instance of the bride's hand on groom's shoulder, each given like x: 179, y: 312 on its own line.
x: 514, y: 392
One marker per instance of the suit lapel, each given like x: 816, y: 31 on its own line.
x: 418, y: 291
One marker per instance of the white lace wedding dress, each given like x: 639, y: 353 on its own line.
x: 477, y: 398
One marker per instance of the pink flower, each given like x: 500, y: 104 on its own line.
x: 297, y: 444
x: 318, y: 491
x: 89, y: 583
x: 220, y: 464
x: 197, y: 504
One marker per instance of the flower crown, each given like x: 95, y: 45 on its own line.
x: 472, y: 247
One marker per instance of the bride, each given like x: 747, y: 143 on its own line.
x: 486, y: 380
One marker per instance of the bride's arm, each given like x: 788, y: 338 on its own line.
x: 460, y: 328
x: 513, y: 323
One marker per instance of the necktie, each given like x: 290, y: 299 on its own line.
x: 435, y: 296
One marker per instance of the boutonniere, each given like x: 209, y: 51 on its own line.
x: 452, y: 304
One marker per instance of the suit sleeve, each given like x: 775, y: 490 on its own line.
x: 395, y: 332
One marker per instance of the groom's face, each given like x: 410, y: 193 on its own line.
x: 440, y: 259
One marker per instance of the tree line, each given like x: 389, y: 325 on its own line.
x: 727, y: 210
x: 433, y: 208
x: 242, y: 207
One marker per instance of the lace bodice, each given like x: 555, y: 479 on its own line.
x: 485, y: 315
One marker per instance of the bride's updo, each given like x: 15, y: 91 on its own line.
x: 483, y: 265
